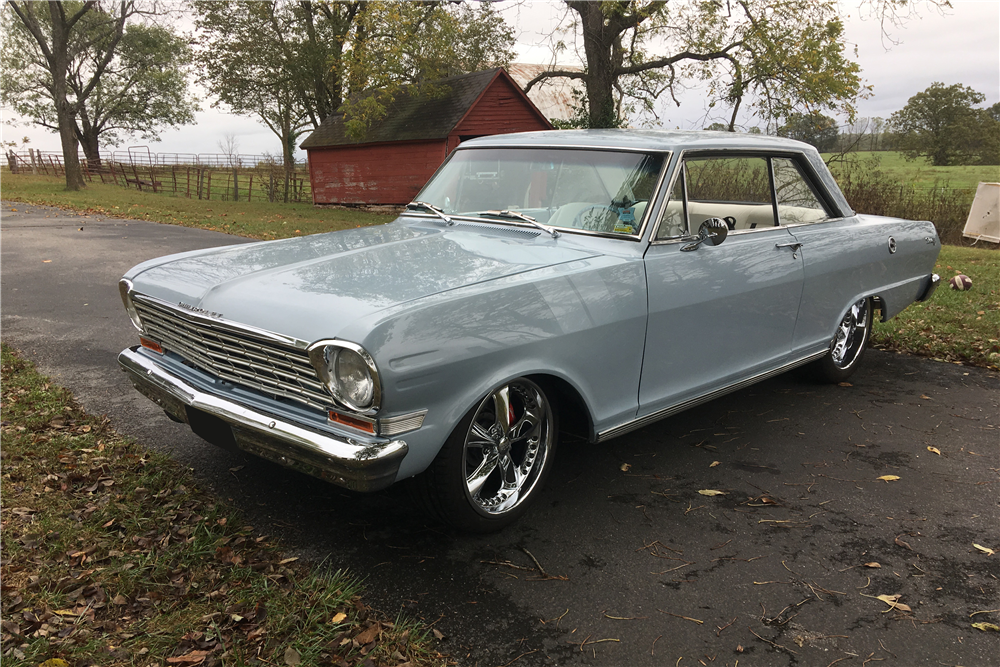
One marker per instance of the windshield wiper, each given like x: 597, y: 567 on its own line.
x: 526, y: 218
x: 424, y: 206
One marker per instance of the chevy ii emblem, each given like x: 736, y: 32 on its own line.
x: 200, y: 311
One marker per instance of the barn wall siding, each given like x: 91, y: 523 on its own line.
x: 500, y: 110
x: 373, y: 174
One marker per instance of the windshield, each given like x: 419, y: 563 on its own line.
x: 597, y: 191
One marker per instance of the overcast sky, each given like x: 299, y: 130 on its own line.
x: 960, y: 45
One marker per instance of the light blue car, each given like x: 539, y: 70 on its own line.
x: 589, y: 282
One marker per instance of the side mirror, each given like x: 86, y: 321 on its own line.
x: 713, y: 231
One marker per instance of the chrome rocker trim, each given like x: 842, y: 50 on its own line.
x: 705, y: 398
x: 361, y: 466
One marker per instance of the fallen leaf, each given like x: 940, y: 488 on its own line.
x: 872, y: 564
x: 713, y: 464
x: 59, y: 662
x: 844, y: 384
x: 889, y: 478
x: 438, y: 634
x: 338, y: 618
x: 985, y: 627
x: 192, y: 658
x: 46, y: 261
x: 625, y: 467
x: 711, y: 492
x: 292, y: 656
x: 935, y: 450
x: 369, y: 635
x: 985, y: 550
x: 891, y: 600
x: 286, y: 561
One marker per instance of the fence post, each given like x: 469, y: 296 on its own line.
x: 250, y: 188
x: 208, y: 189
x: 236, y: 185
x: 34, y: 162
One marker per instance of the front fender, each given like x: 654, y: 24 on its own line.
x: 583, y: 322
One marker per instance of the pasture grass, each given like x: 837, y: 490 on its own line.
x: 921, y: 173
x: 257, y: 220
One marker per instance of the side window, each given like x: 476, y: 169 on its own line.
x: 797, y: 201
x: 736, y: 189
x: 672, y: 222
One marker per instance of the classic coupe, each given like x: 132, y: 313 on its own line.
x: 588, y: 282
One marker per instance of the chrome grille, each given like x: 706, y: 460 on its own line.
x: 234, y: 355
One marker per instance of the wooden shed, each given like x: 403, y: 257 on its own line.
x: 399, y: 153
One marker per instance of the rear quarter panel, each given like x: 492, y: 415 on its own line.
x: 848, y: 259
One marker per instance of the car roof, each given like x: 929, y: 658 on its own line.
x: 655, y: 140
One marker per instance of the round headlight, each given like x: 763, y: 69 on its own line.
x: 348, y: 372
x: 353, y: 378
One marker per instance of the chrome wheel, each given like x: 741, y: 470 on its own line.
x: 852, y: 334
x: 506, y: 447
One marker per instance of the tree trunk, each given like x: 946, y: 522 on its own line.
x: 64, y: 110
x: 599, y: 44
x: 88, y: 135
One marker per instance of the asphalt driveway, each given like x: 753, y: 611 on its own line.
x: 623, y: 561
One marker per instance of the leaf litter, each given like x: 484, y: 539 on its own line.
x: 108, y: 545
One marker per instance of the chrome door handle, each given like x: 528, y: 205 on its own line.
x: 794, y: 245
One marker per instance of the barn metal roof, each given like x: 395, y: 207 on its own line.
x: 413, y: 116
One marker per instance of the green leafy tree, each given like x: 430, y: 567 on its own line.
x: 94, y: 73
x: 142, y: 89
x: 65, y: 39
x: 280, y: 62
x: 775, y: 56
x: 942, y: 124
x: 402, y: 44
x: 294, y: 64
x: 816, y: 129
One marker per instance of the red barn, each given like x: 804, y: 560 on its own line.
x: 399, y: 153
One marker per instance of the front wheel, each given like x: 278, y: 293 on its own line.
x: 848, y: 345
x: 494, y: 463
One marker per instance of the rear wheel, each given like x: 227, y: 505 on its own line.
x: 848, y: 345
x: 494, y: 463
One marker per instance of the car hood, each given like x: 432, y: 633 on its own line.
x: 312, y: 287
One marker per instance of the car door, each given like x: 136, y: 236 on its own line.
x: 840, y: 255
x: 718, y: 314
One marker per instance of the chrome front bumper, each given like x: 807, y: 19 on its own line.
x: 362, y: 466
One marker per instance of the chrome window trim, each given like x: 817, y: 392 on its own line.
x: 795, y: 156
x: 654, y: 200
x: 639, y: 422
x: 315, y: 351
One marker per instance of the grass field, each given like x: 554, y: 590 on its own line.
x: 258, y: 220
x: 954, y: 326
x: 922, y: 174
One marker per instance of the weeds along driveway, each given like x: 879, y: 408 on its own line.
x: 623, y: 561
